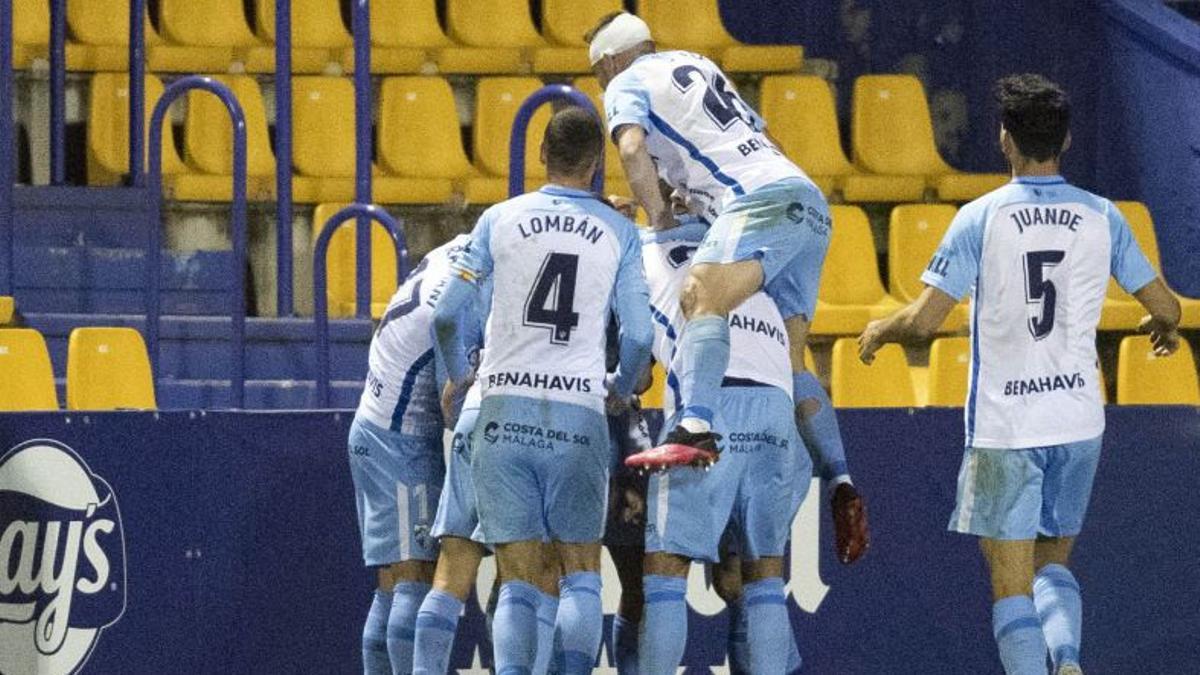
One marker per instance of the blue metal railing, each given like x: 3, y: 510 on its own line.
x: 361, y: 212
x: 137, y: 90
x: 58, y: 80
x: 237, y: 311
x: 516, y: 145
x: 8, y: 147
x: 284, y: 304
x: 362, y: 166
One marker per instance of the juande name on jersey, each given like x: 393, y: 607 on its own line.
x: 1045, y: 215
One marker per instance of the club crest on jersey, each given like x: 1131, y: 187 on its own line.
x: 62, y: 559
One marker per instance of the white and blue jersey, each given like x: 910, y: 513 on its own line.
x: 703, y: 137
x: 1035, y: 256
x: 401, y: 393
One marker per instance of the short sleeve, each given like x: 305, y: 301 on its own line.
x: 954, y: 268
x: 475, y: 263
x: 1129, y: 265
x: 626, y: 101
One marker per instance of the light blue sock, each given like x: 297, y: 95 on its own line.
x: 1018, y: 633
x: 767, y: 619
x: 663, y: 636
x: 580, y: 622
x: 794, y: 661
x: 704, y: 348
x: 1056, y: 595
x: 374, y: 637
x: 820, y: 431
x: 402, y: 624
x: 547, y: 616
x: 437, y: 622
x: 625, y: 643
x: 514, y: 631
x: 739, y: 648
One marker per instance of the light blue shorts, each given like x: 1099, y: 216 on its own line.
x: 397, y: 481
x: 542, y: 467
x: 457, y: 515
x: 1020, y: 494
x: 786, y: 227
x: 754, y: 491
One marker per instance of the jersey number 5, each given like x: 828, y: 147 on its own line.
x: 551, y: 301
x: 1039, y: 289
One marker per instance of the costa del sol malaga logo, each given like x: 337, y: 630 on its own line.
x: 62, y: 559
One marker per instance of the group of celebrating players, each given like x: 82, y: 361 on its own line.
x: 532, y: 336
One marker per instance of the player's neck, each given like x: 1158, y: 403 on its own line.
x: 1031, y: 168
x: 573, y: 182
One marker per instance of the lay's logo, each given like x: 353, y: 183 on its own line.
x: 62, y: 559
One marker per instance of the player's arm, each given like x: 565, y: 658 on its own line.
x: 450, y: 319
x: 643, y: 175
x: 631, y: 300
x: 917, y: 321
x: 1133, y: 272
x: 1163, y: 322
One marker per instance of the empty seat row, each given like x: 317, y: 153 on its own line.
x: 481, y: 36
x: 1142, y: 378
x: 894, y: 156
x: 107, y: 369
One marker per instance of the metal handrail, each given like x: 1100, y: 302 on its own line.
x: 362, y: 144
x: 58, y: 80
x: 520, y: 129
x: 7, y: 148
x: 360, y: 212
x: 237, y: 311
x: 137, y: 91
x: 285, y: 303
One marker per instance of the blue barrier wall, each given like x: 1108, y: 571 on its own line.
x: 241, y: 551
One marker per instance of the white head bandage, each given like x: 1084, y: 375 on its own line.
x: 622, y: 33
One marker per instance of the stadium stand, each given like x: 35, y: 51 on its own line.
x: 1121, y: 311
x: 564, y: 23
x: 108, y: 129
x: 1144, y: 379
x: 801, y: 115
x: 418, y: 129
x: 892, y: 134
x: 914, y: 232
x: 26, y: 378
x: 100, y: 42
x: 108, y: 369
x: 208, y: 145
x: 218, y: 27
x: 340, y: 265
x: 324, y: 150
x: 704, y: 33
x: 851, y: 293
x: 413, y: 24
x: 949, y: 363
x: 505, y: 24
x: 885, y: 384
x: 496, y: 102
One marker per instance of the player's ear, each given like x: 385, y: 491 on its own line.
x: 1006, y: 142
x: 542, y: 151
x: 1066, y: 145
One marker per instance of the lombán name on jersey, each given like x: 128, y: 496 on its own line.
x: 759, y: 326
x: 1041, y: 385
x: 1033, y: 216
x: 582, y: 385
x: 560, y: 223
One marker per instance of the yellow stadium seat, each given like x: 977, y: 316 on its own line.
x: 108, y: 129
x: 418, y: 129
x: 801, y: 115
x: 892, y: 133
x: 324, y: 150
x: 949, y: 365
x: 340, y: 265
x: 702, y: 31
x: 208, y: 145
x: 26, y: 379
x: 564, y: 23
x: 614, y: 173
x: 7, y: 306
x: 100, y: 33
x: 492, y: 23
x: 496, y: 103
x: 914, y: 233
x: 215, y: 23
x: 30, y: 31
x: 318, y: 36
x: 108, y: 369
x: 1145, y: 379
x: 400, y: 25
x: 1121, y: 311
x: 883, y: 384
x: 851, y: 293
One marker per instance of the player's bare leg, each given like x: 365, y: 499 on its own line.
x: 437, y: 619
x: 580, y: 617
x: 547, y: 609
x: 710, y: 293
x: 663, y: 638
x: 1015, y: 622
x: 1057, y: 598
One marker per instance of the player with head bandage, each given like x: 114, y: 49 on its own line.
x: 559, y: 259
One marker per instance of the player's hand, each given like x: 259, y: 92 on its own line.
x: 449, y: 412
x: 664, y: 221
x: 614, y: 403
x: 633, y: 507
x: 1164, y: 339
x: 870, y: 341
x: 624, y: 206
x: 852, y: 534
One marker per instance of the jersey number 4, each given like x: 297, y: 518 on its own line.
x: 551, y: 302
x: 1039, y: 289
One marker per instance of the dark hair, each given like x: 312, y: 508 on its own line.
x: 604, y: 21
x: 1036, y: 113
x: 573, y: 141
